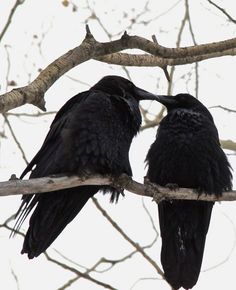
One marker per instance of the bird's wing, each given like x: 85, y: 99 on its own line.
x: 51, y: 140
x: 45, y: 158
x: 82, y: 136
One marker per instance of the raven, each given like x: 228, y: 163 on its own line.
x: 91, y: 133
x: 186, y: 153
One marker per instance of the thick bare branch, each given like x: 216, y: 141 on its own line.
x: 147, y: 60
x: 47, y: 184
x: 110, y: 52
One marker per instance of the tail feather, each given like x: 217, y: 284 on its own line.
x: 184, y: 225
x: 53, y: 212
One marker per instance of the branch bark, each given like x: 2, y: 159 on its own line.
x: 110, y: 52
x: 56, y: 182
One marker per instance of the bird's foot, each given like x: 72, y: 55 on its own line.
x: 13, y: 177
x: 153, y: 189
x: 201, y: 192
x: 172, y: 186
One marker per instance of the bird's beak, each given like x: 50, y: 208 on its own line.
x: 166, y: 100
x: 163, y: 99
x: 141, y: 94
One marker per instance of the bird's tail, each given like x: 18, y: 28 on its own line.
x: 184, y: 225
x: 53, y: 212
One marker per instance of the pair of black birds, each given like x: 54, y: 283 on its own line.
x: 93, y: 132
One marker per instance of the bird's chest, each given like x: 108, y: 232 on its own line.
x: 180, y: 132
x: 179, y: 147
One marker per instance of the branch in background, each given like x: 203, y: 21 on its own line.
x: 109, y: 52
x: 127, y: 238
x: 84, y: 275
x: 38, y: 114
x: 57, y: 182
x: 228, y: 144
x: 13, y: 10
x: 15, y: 138
x: 223, y: 108
x: 195, y: 43
x: 79, y: 274
x: 230, y: 18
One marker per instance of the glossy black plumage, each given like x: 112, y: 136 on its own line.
x: 91, y: 133
x: 186, y: 152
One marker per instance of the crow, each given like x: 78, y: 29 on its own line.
x: 186, y: 153
x: 90, y: 134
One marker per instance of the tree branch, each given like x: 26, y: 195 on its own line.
x: 109, y: 52
x: 56, y: 182
x: 228, y: 144
x: 127, y: 238
x: 230, y: 18
x: 79, y: 273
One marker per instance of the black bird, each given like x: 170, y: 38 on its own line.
x: 186, y: 153
x: 91, y: 133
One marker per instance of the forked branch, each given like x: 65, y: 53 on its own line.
x: 110, y: 52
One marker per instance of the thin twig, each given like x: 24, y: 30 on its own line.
x: 78, y: 273
x: 13, y: 10
x: 150, y: 218
x: 127, y: 238
x: 195, y: 43
x: 230, y: 18
x: 178, y: 41
x: 223, y: 108
x: 38, y: 114
x: 226, y: 259
x: 15, y: 139
x: 15, y: 278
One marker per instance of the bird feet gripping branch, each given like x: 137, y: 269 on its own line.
x: 172, y: 186
x: 153, y: 190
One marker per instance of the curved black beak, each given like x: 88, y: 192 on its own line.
x: 166, y: 100
x: 141, y: 94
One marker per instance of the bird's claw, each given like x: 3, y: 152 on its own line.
x: 172, y: 186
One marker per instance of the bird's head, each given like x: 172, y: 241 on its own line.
x: 124, y: 88
x: 183, y: 101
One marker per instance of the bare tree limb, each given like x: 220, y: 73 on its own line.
x: 56, y: 182
x: 109, y: 52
